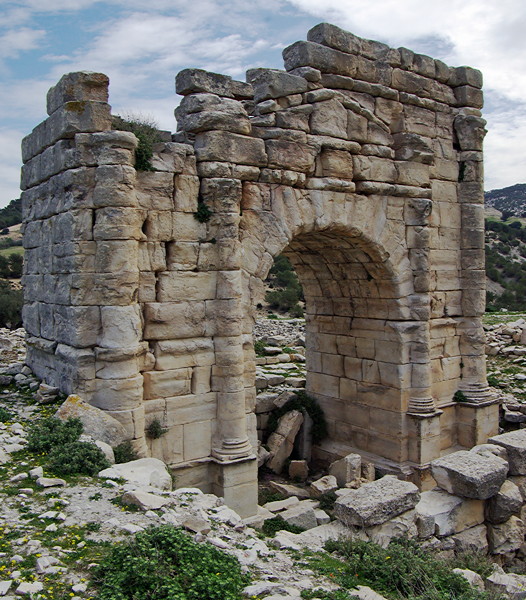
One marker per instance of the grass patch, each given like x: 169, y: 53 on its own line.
x: 402, y: 571
x: 12, y: 250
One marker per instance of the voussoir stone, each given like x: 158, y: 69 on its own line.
x: 376, y: 502
x: 469, y: 475
x: 96, y: 423
x: 515, y: 444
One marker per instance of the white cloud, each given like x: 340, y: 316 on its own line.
x: 10, y: 162
x: 14, y: 41
x: 505, y: 150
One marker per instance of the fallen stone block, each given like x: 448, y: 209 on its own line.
x: 450, y: 513
x: 324, y: 485
x: 347, y: 470
x: 505, y: 503
x: 298, y: 470
x: 197, y: 525
x: 515, y: 444
x: 315, y: 538
x: 300, y: 515
x: 376, y: 502
x: 403, y: 525
x: 469, y: 475
x: 506, y: 537
x: 46, y: 482
x: 144, y: 500
x: 259, y: 518
x: 289, y: 490
x: 488, y: 449
x: 281, y: 442
x: 143, y: 472
x: 278, y: 505
x: 510, y: 585
x: 472, y: 540
x: 321, y: 516
x: 96, y: 423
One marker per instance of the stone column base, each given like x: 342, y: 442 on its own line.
x: 423, y: 437
x: 233, y: 449
x: 476, y: 422
x: 237, y: 483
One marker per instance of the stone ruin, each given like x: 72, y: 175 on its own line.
x: 361, y: 163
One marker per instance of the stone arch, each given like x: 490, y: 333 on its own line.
x: 358, y: 362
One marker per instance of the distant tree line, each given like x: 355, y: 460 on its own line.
x: 11, y: 214
x: 286, y: 293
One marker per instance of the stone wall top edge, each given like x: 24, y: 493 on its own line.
x: 334, y: 37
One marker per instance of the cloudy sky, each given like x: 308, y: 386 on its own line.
x: 142, y: 44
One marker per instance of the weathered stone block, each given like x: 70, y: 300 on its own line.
x: 515, y: 444
x: 191, y: 81
x: 81, y: 86
x: 376, y: 502
x: 97, y: 423
x: 451, y: 514
x: 230, y: 147
x: 270, y: 83
x: 504, y: 504
x: 281, y: 442
x: 322, y: 58
x: 506, y: 537
x: 470, y: 475
x: 334, y: 37
x: 347, y: 469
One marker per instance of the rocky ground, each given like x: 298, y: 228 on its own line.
x: 53, y: 532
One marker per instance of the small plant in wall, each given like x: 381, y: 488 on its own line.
x: 146, y: 131
x: 459, y: 396
x: 203, y: 213
x: 155, y: 429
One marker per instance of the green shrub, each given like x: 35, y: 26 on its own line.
x: 5, y: 415
x: 306, y: 404
x: 125, y: 452
x: 327, y: 500
x: 155, y: 430
x: 259, y: 347
x: 272, y: 526
x: 77, y: 458
x: 401, y: 571
x: 51, y: 432
x: 146, y: 131
x: 164, y: 563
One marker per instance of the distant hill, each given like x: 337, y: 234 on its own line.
x: 509, y: 200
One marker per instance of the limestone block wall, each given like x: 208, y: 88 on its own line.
x: 361, y: 162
